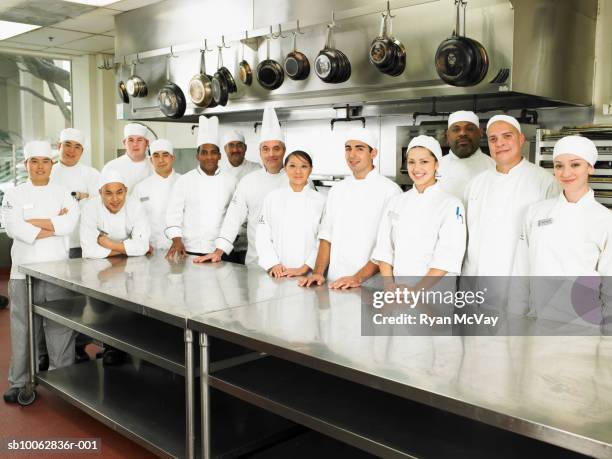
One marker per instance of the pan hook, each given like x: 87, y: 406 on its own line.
x: 137, y: 61
x: 297, y: 28
x: 389, y: 9
x: 206, y: 46
x: 172, y: 53
x: 223, y: 42
x: 280, y: 32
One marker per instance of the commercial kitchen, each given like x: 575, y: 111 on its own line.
x: 274, y: 228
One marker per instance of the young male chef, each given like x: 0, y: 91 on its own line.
x: 39, y: 216
x: 113, y: 223
x: 133, y: 166
x: 464, y: 161
x: 350, y: 223
x: 251, y: 191
x: 235, y: 149
x: 154, y: 191
x: 199, y: 199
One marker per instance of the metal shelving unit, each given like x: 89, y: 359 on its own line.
x: 601, y: 181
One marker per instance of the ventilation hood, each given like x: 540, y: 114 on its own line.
x: 541, y: 51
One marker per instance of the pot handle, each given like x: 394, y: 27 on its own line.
x: 168, y: 68
x: 460, y: 23
x: 220, y: 57
x: 329, y: 38
x: 203, y: 61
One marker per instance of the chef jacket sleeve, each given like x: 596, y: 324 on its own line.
x: 384, y: 249
x: 176, y: 209
x: 138, y: 242
x: 267, y: 256
x: 88, y: 232
x: 450, y: 246
x: 237, y: 212
x: 64, y: 225
x: 92, y: 184
x: 553, y: 188
x: 12, y: 216
x: 326, y: 227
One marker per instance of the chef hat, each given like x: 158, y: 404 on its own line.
x: 270, y: 127
x: 577, y: 145
x: 134, y: 129
x: 109, y: 176
x: 463, y: 115
x: 37, y: 148
x: 428, y: 142
x: 208, y: 131
x: 362, y: 134
x: 72, y: 134
x: 161, y: 145
x: 511, y: 120
x: 233, y: 136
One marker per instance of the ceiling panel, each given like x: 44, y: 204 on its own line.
x: 40, y: 12
x: 97, y: 21
x: 127, y: 5
x: 70, y: 52
x: 95, y: 43
x: 20, y: 46
x: 41, y: 37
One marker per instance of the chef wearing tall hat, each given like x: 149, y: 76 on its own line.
x: 235, y: 148
x: 39, y: 216
x: 114, y: 223
x: 154, y: 191
x: 251, y: 191
x: 81, y: 180
x: 199, y: 199
x: 352, y: 213
x: 133, y: 166
x: 464, y: 161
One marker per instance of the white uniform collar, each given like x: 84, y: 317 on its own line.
x: 282, y: 171
x: 429, y: 191
x: 516, y: 169
x: 159, y: 177
x: 371, y: 175
x: 588, y: 197
x: 454, y: 157
x: 204, y: 174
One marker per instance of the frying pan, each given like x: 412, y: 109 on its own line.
x: 245, y: 73
x: 270, y: 74
x: 220, y: 85
x: 170, y: 97
x: 123, y: 94
x: 381, y: 53
x: 136, y: 86
x: 461, y: 61
x: 331, y: 65
x: 296, y: 65
x: 200, y: 85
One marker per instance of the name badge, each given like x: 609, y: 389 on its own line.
x: 28, y: 206
x: 544, y: 222
x: 144, y: 198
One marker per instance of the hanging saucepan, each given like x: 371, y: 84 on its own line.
x: 122, y: 90
x: 399, y: 63
x: 382, y: 50
x: 296, y: 65
x: 136, y: 86
x: 332, y: 65
x: 200, y: 85
x: 245, y: 73
x: 270, y: 74
x: 220, y: 85
x: 461, y: 61
x: 171, y: 99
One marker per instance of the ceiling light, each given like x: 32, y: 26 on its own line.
x: 93, y: 2
x: 10, y: 29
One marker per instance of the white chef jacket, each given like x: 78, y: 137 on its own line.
x: 26, y: 202
x: 287, y: 228
x: 565, y: 240
x: 455, y: 173
x: 350, y: 223
x: 196, y: 208
x: 496, y: 206
x: 129, y: 225
x: 131, y: 172
x: 81, y: 178
x: 154, y: 195
x: 246, y: 205
x: 238, y: 172
x: 420, y: 231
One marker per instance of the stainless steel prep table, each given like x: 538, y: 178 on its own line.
x: 141, y: 306
x: 402, y: 396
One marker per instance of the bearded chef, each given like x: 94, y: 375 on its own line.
x: 133, y: 166
x: 251, y: 191
x: 199, y: 199
x: 353, y: 211
x: 154, y: 191
x: 465, y: 160
x: 39, y: 216
x: 235, y: 148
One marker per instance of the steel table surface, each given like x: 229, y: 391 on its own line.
x: 554, y: 389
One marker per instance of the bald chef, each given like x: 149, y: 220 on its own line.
x: 497, y: 201
x: 39, y: 216
x: 464, y: 161
x: 353, y: 211
x: 199, y: 199
x: 113, y: 223
x: 251, y: 191
x: 154, y: 191
x: 133, y: 166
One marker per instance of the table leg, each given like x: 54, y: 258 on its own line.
x: 204, y: 396
x: 189, y: 396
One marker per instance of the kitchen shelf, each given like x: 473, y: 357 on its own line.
x: 382, y: 424
x: 140, y: 336
x: 147, y: 404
